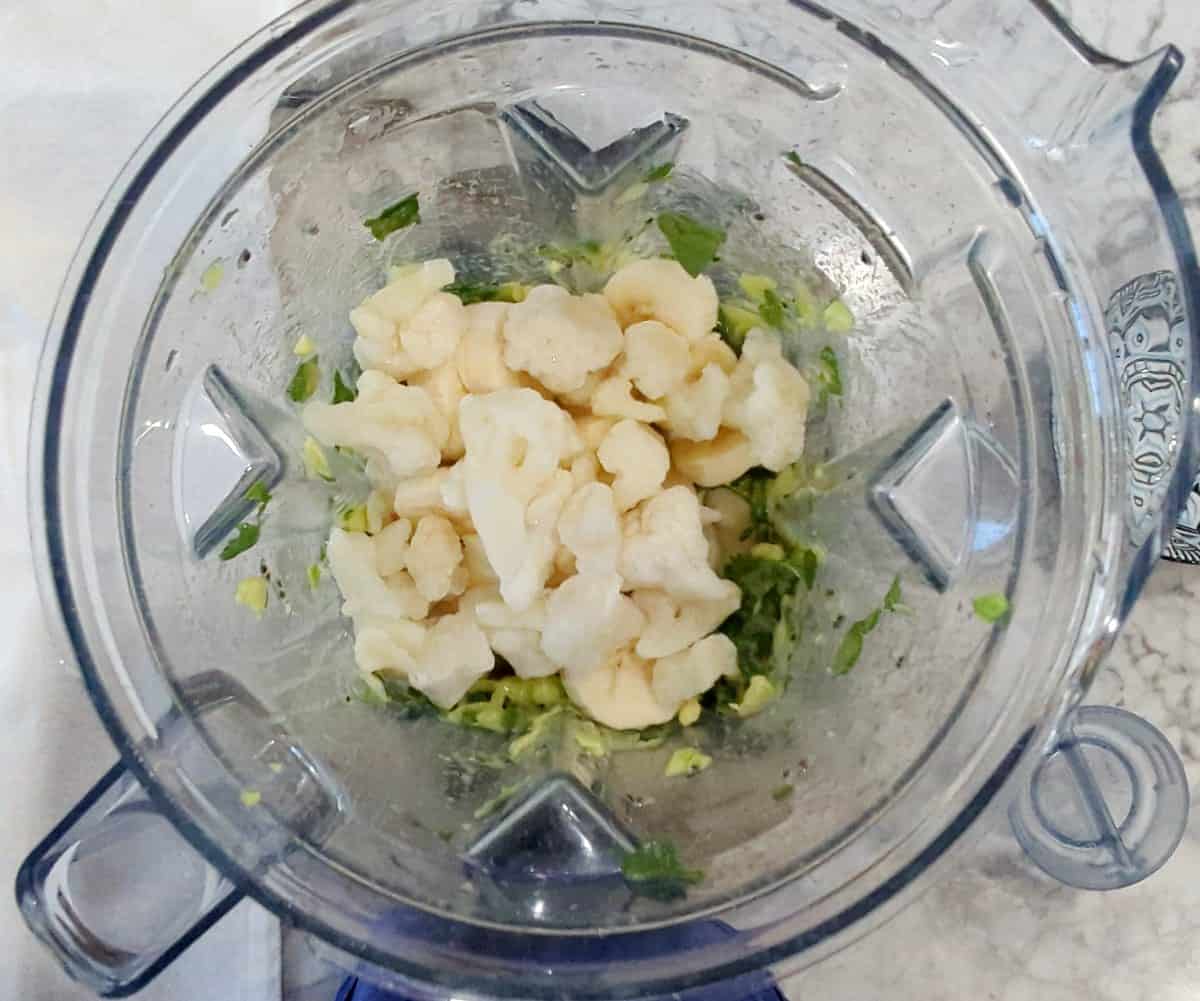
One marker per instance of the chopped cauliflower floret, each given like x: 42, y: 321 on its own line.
x: 662, y: 290
x: 657, y: 359
x: 638, y: 459
x: 593, y: 430
x: 618, y: 693
x: 365, y: 593
x: 768, y: 402
x: 480, y: 355
x: 390, y: 646
x: 712, y: 350
x: 446, y: 390
x: 434, y: 554
x: 399, y: 424
x: 559, y: 338
x: 439, y: 492
x: 665, y: 548
x: 378, y: 319
x: 693, y: 671
x: 614, y: 398
x: 431, y: 336
x: 585, y: 469
x: 590, y: 529
x: 454, y: 656
x: 587, y: 618
x: 492, y: 612
x: 716, y: 462
x: 671, y: 627
x: 522, y: 649
x: 391, y: 547
x: 694, y: 408
x: 479, y: 570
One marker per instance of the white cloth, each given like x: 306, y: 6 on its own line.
x: 79, y: 88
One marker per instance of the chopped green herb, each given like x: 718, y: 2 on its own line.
x: 536, y: 736
x: 686, y: 761
x: 659, y: 173
x: 759, y: 692
x: 756, y: 286
x: 258, y: 494
x: 783, y: 792
x: 471, y: 293
x: 891, y: 600
x: 353, y: 519
x: 343, y: 392
x: 403, y: 213
x: 734, y: 323
x: 314, y: 576
x: 654, y: 870
x: 794, y: 159
x: 991, y: 607
x: 850, y: 649
x: 771, y: 309
x: 252, y: 592
x: 304, y: 347
x: 247, y: 536
x: 694, y: 245
x: 304, y: 383
x: 251, y: 798
x: 829, y: 374
x: 838, y: 318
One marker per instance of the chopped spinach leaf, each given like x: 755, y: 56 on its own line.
x: 343, y: 392
x: 891, y: 600
x: 783, y: 792
x: 247, y: 536
x: 659, y: 173
x: 304, y: 383
x: 654, y: 870
x: 403, y: 213
x: 694, y: 245
x: 258, y: 494
x: 829, y: 374
x: 771, y: 309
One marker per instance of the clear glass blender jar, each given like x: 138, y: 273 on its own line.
x: 981, y: 188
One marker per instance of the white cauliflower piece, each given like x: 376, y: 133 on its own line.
x: 559, y: 338
x: 638, y: 459
x: 480, y: 355
x: 694, y: 408
x: 671, y: 627
x: 479, y: 570
x: 716, y: 462
x: 614, y: 398
x: 523, y: 651
x: 656, y: 358
x: 439, y: 492
x: 662, y: 290
x: 491, y: 612
x: 712, y: 350
x: 581, y: 398
x: 593, y: 430
x: 378, y: 319
x: 389, y: 646
x: 587, y: 618
x: 590, y: 529
x: 431, y: 335
x: 727, y: 535
x: 446, y: 390
x: 665, y: 548
x: 399, y: 425
x: 693, y: 671
x: 514, y: 487
x: 585, y: 469
x: 391, y: 547
x: 366, y: 593
x: 768, y: 402
x: 454, y: 656
x: 618, y: 694
x: 434, y: 554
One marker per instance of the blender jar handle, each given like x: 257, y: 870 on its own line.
x: 115, y: 892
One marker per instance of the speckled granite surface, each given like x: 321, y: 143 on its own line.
x: 996, y: 930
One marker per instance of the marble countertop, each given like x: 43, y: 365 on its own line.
x: 995, y: 930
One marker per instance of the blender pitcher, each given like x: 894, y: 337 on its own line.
x: 980, y: 188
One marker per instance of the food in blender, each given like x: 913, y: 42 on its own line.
x: 566, y: 497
